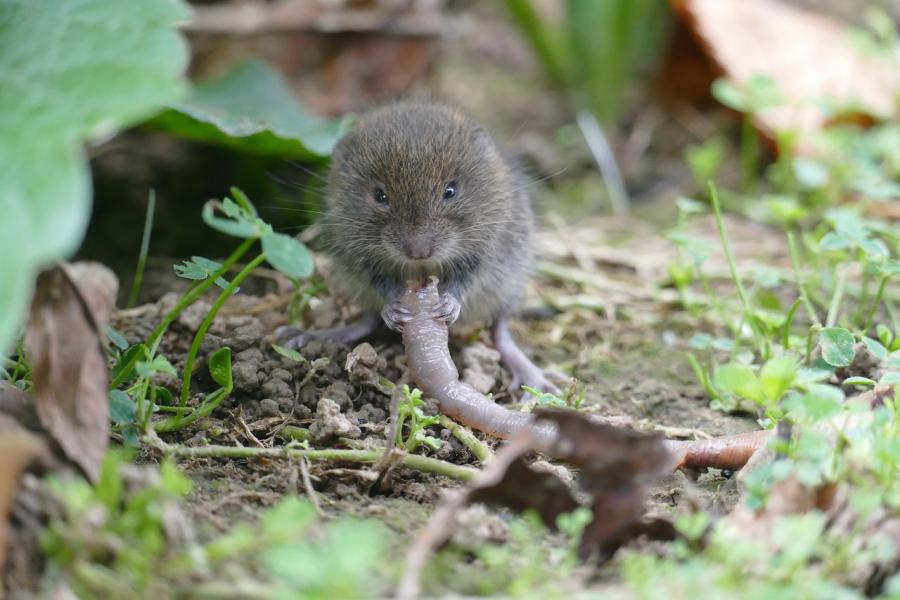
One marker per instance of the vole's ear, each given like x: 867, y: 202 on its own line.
x: 340, y: 149
x: 480, y: 138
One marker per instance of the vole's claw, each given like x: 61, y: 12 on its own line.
x: 448, y: 309
x: 395, y: 315
x: 295, y: 338
x: 291, y: 337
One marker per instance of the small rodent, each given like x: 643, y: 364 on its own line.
x: 417, y: 189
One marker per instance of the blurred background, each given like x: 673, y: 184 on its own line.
x: 608, y: 105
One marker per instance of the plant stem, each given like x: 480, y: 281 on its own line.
x: 795, y: 263
x: 788, y: 321
x: 749, y: 154
x: 481, y: 450
x: 835, y: 307
x: 726, y: 247
x: 201, y: 332
x: 196, y: 292
x: 605, y: 159
x: 145, y: 247
x: 412, y: 461
x: 875, y: 302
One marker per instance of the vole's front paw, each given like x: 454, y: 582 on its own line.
x: 395, y: 315
x: 292, y: 337
x: 448, y: 310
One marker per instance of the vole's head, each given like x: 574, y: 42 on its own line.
x: 418, y: 188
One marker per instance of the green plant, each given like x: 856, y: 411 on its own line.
x: 111, y: 537
x: 410, y: 409
x: 531, y: 562
x: 71, y: 72
x: 301, y: 557
x: 115, y: 539
x: 138, y: 365
x: 759, y: 93
x: 596, y: 48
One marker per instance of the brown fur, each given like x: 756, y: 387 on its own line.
x: 483, y: 237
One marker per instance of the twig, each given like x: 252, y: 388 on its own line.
x: 481, y: 450
x: 243, y: 425
x: 603, y: 156
x: 308, y: 486
x: 411, y: 461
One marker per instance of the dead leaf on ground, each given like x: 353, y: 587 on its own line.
x: 18, y: 448
x: 64, y: 340
x: 19, y: 406
x: 615, y: 465
x: 812, y: 59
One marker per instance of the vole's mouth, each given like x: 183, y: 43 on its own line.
x: 420, y: 269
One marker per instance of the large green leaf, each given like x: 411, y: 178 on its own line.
x: 251, y: 108
x: 70, y: 70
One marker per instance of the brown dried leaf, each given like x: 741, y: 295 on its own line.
x: 64, y: 340
x: 18, y: 448
x: 616, y: 465
x: 523, y: 488
x: 19, y: 406
x: 811, y: 58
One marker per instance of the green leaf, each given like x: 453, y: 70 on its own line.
x: 116, y: 338
x: 289, y: 353
x: 740, y: 380
x: 110, y: 485
x: 191, y: 270
x: 730, y: 95
x: 252, y: 109
x: 819, y: 403
x: 810, y: 174
x: 838, y: 346
x: 236, y: 222
x: 125, y: 367
x: 875, y: 348
x: 835, y: 241
x: 121, y: 407
x: 884, y: 334
x: 288, y: 255
x: 777, y: 376
x: 70, y: 70
x: 288, y: 518
x: 858, y: 381
x: 890, y: 378
x: 874, y: 248
x: 160, y: 364
x: 220, y: 367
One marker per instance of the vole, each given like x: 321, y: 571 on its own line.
x: 416, y: 189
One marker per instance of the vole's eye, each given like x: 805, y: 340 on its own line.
x: 380, y: 196
x: 450, y: 191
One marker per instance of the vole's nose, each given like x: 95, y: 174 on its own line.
x: 419, y: 247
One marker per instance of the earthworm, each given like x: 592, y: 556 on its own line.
x: 728, y: 452
x: 428, y: 357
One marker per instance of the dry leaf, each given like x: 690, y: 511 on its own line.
x: 616, y: 466
x: 18, y: 448
x: 64, y: 341
x: 811, y: 58
x: 19, y: 406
